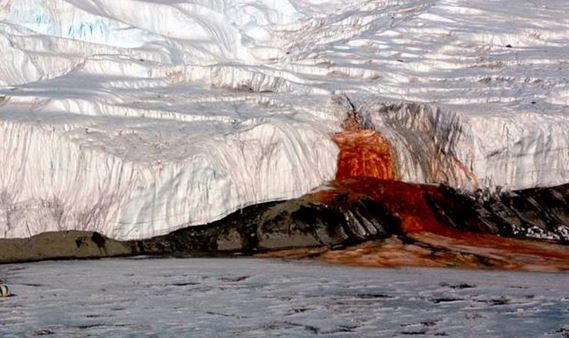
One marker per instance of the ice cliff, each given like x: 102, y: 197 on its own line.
x: 135, y: 118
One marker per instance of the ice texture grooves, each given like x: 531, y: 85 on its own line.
x: 137, y: 118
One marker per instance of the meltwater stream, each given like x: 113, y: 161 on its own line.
x: 257, y: 298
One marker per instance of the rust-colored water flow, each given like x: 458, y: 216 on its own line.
x: 366, y: 168
x: 426, y: 240
x: 363, y: 153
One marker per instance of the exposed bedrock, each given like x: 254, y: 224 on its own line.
x: 258, y: 228
x: 343, y: 215
x: 532, y: 213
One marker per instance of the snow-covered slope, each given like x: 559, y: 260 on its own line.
x: 137, y: 117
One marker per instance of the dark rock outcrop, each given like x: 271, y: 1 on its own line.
x: 337, y: 218
x: 540, y: 213
x: 259, y: 228
x: 280, y: 225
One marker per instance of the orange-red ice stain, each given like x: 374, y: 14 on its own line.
x: 366, y: 168
x: 363, y: 153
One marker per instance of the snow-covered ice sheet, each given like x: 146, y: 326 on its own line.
x: 259, y: 298
x: 136, y: 118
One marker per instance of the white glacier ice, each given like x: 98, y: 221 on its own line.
x: 138, y: 117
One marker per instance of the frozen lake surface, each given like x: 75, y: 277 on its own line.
x: 255, y: 298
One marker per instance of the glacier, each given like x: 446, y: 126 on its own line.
x: 136, y: 118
